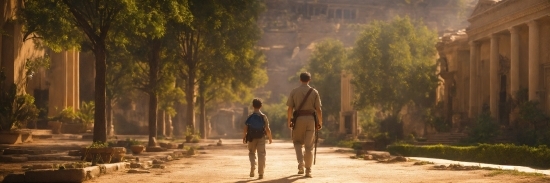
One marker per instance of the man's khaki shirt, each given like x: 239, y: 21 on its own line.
x: 313, y: 101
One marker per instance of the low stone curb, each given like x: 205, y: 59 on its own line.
x: 65, y: 175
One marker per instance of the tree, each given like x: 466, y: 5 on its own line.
x: 394, y: 64
x: 150, y: 49
x: 215, y: 28
x: 65, y: 24
x: 326, y: 65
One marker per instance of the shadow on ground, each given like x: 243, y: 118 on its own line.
x: 291, y: 178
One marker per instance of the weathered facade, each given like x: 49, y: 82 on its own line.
x: 502, y: 53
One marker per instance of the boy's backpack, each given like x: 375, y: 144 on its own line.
x: 256, y: 127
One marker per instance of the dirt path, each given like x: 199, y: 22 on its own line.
x: 229, y: 163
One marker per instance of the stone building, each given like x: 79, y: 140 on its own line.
x: 501, y: 53
x: 54, y: 88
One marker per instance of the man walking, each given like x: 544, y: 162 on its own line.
x: 307, y: 103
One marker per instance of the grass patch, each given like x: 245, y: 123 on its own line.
x: 494, y: 173
x: 504, y: 154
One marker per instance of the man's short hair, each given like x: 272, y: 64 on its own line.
x: 305, y: 76
x: 256, y: 103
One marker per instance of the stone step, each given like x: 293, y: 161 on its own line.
x: 41, y: 134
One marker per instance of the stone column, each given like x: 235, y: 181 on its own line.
x: 473, y: 79
x: 493, y: 76
x: 514, y: 61
x: 533, y: 60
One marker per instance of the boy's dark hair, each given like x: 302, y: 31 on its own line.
x: 256, y: 103
x: 305, y: 76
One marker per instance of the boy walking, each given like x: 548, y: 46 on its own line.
x: 255, y: 129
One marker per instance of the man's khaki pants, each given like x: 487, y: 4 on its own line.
x: 259, y: 146
x: 303, y: 135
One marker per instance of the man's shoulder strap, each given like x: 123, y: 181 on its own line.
x: 305, y: 98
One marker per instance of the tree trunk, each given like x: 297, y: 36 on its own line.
x: 190, y: 98
x: 100, y: 125
x: 161, y: 123
x: 202, y: 117
x: 110, y: 126
x: 179, y: 120
x: 153, y: 99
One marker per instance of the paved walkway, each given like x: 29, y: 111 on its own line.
x: 503, y: 167
x: 229, y: 163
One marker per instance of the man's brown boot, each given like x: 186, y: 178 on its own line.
x: 308, y: 173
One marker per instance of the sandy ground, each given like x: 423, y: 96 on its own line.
x: 229, y: 163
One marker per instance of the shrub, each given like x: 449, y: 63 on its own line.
x: 504, y: 154
x: 484, y: 130
x: 15, y: 110
x: 86, y: 112
x: 533, y: 126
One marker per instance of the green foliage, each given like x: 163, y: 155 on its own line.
x: 133, y: 141
x: 485, y: 129
x: 277, y: 115
x: 99, y: 144
x: 504, y: 154
x: 368, y: 121
x: 394, y: 63
x: 434, y: 118
x: 68, y: 115
x: 533, y: 125
x: 216, y: 49
x: 15, y: 109
x: 86, y: 112
x: 190, y: 132
x: 346, y: 143
x: 326, y: 64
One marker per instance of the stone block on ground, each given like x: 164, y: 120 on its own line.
x: 136, y: 165
x: 401, y: 159
x: 138, y: 171
x: 155, y: 149
x: 168, y: 145
x: 157, y: 162
x: 368, y: 157
x: 65, y: 175
x: 159, y: 166
x: 379, y: 154
x: 113, y: 167
x: 168, y: 158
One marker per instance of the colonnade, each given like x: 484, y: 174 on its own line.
x: 494, y: 67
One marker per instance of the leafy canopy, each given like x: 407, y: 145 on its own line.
x: 393, y: 64
x: 326, y: 65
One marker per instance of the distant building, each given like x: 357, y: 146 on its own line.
x: 501, y: 53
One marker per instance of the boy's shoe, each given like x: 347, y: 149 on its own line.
x: 300, y: 171
x: 261, y: 176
